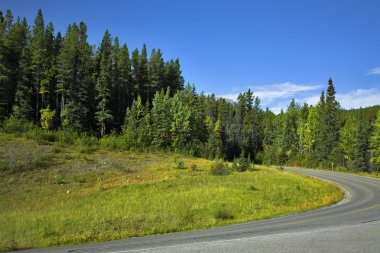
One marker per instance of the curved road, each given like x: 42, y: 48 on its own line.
x: 353, y: 225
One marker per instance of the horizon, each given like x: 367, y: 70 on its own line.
x: 278, y: 50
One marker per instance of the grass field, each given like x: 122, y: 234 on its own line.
x: 54, y: 194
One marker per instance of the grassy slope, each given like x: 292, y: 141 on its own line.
x: 75, y: 195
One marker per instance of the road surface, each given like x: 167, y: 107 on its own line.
x: 353, y: 225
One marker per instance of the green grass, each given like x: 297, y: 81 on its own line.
x: 69, y: 194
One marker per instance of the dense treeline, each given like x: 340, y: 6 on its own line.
x: 62, y: 82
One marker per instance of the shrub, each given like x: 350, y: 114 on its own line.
x: 15, y: 125
x: 180, y: 164
x: 47, y: 118
x: 40, y: 135
x: 222, y: 214
x: 66, y: 136
x: 218, y: 169
x: 252, y: 188
x: 194, y: 167
x: 112, y: 142
x: 242, y: 164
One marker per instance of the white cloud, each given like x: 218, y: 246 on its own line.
x: 374, y: 71
x: 268, y: 93
x: 277, y: 96
x: 359, y: 98
x: 353, y: 99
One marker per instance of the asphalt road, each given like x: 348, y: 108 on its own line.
x: 353, y: 225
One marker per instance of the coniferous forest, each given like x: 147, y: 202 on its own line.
x: 59, y: 82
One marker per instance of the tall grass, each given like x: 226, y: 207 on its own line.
x: 104, y: 195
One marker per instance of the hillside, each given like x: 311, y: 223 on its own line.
x: 57, y: 193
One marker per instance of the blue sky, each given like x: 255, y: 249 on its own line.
x: 279, y: 49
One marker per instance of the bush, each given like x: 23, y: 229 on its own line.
x: 222, y: 214
x: 66, y: 136
x: 15, y: 125
x: 40, y: 135
x: 218, y: 169
x: 112, y: 142
x: 180, y: 164
x: 242, y: 164
x: 47, y: 118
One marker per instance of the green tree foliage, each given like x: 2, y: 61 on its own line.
x: 24, y: 104
x: 62, y: 81
x: 347, y: 137
x: 291, y: 138
x: 74, y: 84
x: 361, y: 153
x: 39, y: 62
x: 4, y: 70
x: 137, y: 126
x: 180, y: 129
x: 47, y: 117
x: 103, y: 85
x: 161, y: 119
x: 375, y: 143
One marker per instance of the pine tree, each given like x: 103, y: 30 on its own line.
x: 74, y: 79
x: 24, y: 105
x: 39, y: 57
x: 143, y: 76
x: 4, y: 70
x: 347, y: 137
x: 161, y: 119
x: 125, y: 80
x: 291, y: 138
x: 116, y: 87
x: 173, y: 76
x: 136, y: 130
x: 321, y: 149
x: 180, y: 126
x: 156, y: 71
x: 135, y: 73
x: 332, y: 123
x: 375, y: 143
x: 361, y: 154
x: 103, y: 85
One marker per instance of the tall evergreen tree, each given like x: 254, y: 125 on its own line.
x: 361, y: 154
x: 125, y: 80
x: 156, y: 71
x: 347, y: 137
x: 161, y: 119
x: 103, y: 85
x: 74, y: 78
x: 4, y: 70
x: 375, y: 143
x: 321, y: 149
x: 24, y: 104
x: 39, y: 58
x: 332, y: 123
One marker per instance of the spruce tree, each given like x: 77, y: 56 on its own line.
x: 39, y: 58
x: 136, y: 132
x: 161, y: 119
x: 321, y: 149
x: 103, y: 86
x: 180, y: 126
x: 347, y: 136
x: 125, y: 80
x: 4, y: 70
x: 24, y: 105
x: 143, y: 77
x: 375, y: 143
x: 361, y: 154
x: 156, y: 71
x: 332, y: 123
